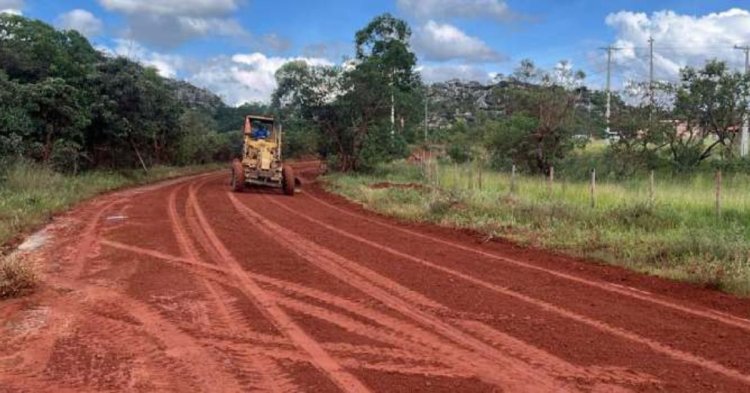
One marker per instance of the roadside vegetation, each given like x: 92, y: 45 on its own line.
x: 75, y: 122
x: 17, y: 276
x: 676, y: 235
x: 31, y: 193
x: 537, y: 154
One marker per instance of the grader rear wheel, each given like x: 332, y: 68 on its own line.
x: 287, y: 180
x: 238, y: 176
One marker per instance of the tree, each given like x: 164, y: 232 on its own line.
x: 62, y: 101
x: 709, y: 107
x: 16, y: 122
x: 640, y: 137
x: 56, y: 106
x: 385, y: 59
x: 547, y: 101
x: 358, y: 108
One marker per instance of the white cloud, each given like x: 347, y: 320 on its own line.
x: 442, y: 73
x: 81, y: 20
x: 487, y: 9
x: 439, y: 42
x: 198, y: 8
x: 167, y: 65
x: 679, y: 40
x: 13, y: 7
x: 169, y: 23
x: 244, y: 77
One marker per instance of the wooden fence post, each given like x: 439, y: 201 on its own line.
x: 551, y: 178
x: 593, y: 187
x: 718, y: 193
x: 469, y: 180
x: 437, y: 173
x: 479, y: 174
x: 456, y: 176
x: 513, y: 180
x: 651, y: 188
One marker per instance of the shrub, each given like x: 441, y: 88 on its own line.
x: 17, y: 276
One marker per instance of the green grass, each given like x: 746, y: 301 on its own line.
x: 30, y: 193
x: 677, y: 235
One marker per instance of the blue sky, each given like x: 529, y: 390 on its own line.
x: 233, y: 46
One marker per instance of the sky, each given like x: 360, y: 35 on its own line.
x: 233, y: 47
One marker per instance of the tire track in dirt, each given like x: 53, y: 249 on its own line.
x: 486, y: 361
x: 177, y: 344
x: 394, y: 326
x: 600, y: 325
x: 269, y: 373
x: 634, y: 293
x: 321, y: 359
x: 343, y: 321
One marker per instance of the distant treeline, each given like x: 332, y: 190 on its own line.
x: 68, y: 105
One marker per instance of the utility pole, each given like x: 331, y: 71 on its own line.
x: 426, y: 100
x: 608, y: 113
x: 745, y: 122
x: 393, y: 115
x: 651, y: 70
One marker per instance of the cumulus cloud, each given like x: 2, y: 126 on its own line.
x: 441, y: 9
x: 172, y: 7
x: 81, y: 20
x: 442, y: 73
x: 170, y: 31
x: 11, y: 6
x: 166, y: 65
x: 440, y: 42
x: 679, y: 40
x: 244, y: 77
x: 169, y: 23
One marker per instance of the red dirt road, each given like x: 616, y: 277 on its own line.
x: 185, y: 287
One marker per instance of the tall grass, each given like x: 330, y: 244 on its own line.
x: 31, y: 193
x: 676, y: 235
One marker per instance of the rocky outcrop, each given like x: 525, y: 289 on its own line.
x: 196, y: 98
x: 457, y: 100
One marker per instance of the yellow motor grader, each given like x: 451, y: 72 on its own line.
x: 261, y: 163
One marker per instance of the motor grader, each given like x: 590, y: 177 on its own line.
x: 261, y: 162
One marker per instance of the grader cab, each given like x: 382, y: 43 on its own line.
x: 261, y: 162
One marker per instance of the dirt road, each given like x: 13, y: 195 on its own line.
x: 186, y: 287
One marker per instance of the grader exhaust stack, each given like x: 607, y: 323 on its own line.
x: 261, y: 162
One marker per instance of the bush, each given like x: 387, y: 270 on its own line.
x: 17, y: 276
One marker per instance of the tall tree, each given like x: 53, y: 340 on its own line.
x: 709, y: 102
x: 543, y: 110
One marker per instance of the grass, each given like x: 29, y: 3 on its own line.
x: 676, y: 235
x: 30, y: 194
x: 17, y: 276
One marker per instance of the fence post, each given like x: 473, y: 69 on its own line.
x: 456, y: 176
x: 469, y: 178
x: 437, y: 173
x: 718, y: 193
x: 513, y: 179
x: 651, y: 188
x: 551, y: 178
x: 479, y: 174
x: 593, y: 187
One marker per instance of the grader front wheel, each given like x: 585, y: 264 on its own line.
x: 287, y: 180
x: 238, y: 176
